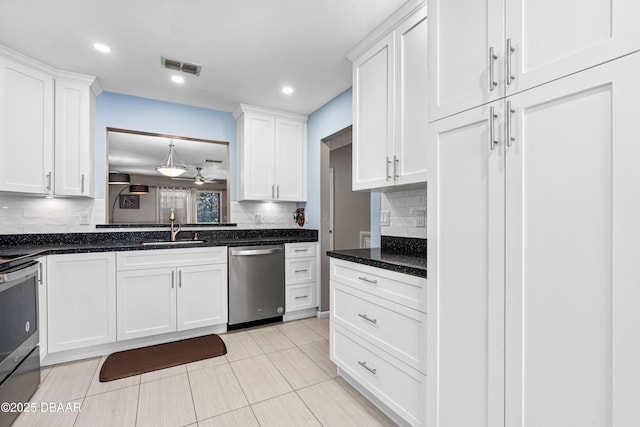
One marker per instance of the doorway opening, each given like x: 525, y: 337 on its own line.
x: 346, y: 215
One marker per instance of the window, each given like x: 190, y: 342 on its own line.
x: 207, y: 207
x: 189, y: 204
x: 180, y: 199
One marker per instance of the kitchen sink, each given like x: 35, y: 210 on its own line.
x: 177, y: 242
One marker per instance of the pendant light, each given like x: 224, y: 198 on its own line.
x: 173, y: 166
x: 119, y: 178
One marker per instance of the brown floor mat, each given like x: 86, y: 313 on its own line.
x: 127, y: 363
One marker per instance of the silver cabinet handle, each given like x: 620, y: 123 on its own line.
x: 278, y: 192
x: 40, y: 281
x: 49, y: 181
x: 252, y: 252
x: 273, y: 189
x: 395, y: 168
x: 492, y: 118
x: 301, y: 271
x: 365, y: 317
x: 492, y: 61
x: 179, y: 278
x: 510, y: 112
x: 302, y: 296
x: 173, y: 279
x: 388, y: 163
x: 364, y: 365
x: 82, y: 184
x: 510, y: 51
x: 300, y: 250
x: 365, y: 279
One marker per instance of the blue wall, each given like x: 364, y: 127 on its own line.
x: 149, y: 115
x: 328, y: 119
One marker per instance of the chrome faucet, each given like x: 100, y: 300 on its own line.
x: 174, y: 231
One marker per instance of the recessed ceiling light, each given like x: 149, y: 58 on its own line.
x: 177, y: 79
x: 287, y: 90
x: 102, y: 47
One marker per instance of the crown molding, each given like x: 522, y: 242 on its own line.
x: 408, y: 9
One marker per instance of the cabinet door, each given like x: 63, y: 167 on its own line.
x: 26, y: 129
x: 466, y: 270
x: 291, y: 160
x: 146, y: 302
x: 573, y: 203
x: 73, y: 139
x: 81, y: 300
x: 411, y: 89
x: 202, y: 296
x: 373, y: 98
x: 461, y: 35
x: 554, y: 39
x: 258, y: 151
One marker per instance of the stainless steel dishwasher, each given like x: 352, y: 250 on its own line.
x: 256, y: 285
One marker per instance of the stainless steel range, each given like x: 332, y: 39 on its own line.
x: 19, y: 350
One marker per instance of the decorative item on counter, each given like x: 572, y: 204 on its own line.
x: 299, y: 216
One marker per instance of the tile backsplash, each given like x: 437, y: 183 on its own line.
x: 263, y: 214
x: 404, y: 208
x: 23, y: 214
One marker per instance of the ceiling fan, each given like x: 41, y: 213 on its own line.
x: 199, y: 179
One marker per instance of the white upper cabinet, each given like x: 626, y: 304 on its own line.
x: 411, y: 100
x: 26, y: 128
x: 390, y: 108
x: 74, y: 136
x: 551, y: 39
x: 480, y: 51
x: 46, y: 128
x: 373, y: 116
x: 272, y: 155
x: 465, y: 46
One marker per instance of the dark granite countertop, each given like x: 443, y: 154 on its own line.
x: 403, y: 255
x: 14, y: 248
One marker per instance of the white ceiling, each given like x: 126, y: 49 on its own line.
x: 140, y: 154
x: 248, y: 49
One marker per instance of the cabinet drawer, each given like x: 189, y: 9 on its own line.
x: 155, y: 258
x: 300, y: 270
x: 300, y: 297
x: 396, y: 329
x: 395, y: 384
x: 297, y: 250
x: 401, y: 288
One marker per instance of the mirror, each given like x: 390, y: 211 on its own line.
x: 137, y: 154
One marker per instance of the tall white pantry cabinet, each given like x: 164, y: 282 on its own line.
x: 533, y: 229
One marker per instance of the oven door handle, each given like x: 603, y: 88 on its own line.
x: 22, y: 272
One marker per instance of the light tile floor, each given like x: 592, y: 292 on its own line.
x: 277, y: 375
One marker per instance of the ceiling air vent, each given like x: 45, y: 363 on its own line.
x: 174, y: 64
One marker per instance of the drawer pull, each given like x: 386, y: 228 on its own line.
x: 301, y: 271
x: 367, y: 318
x: 302, y: 296
x: 365, y: 279
x: 300, y: 250
x: 364, y: 365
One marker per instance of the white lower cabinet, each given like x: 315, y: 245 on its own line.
x: 81, y: 300
x: 533, y: 282
x: 301, y: 284
x: 162, y: 291
x: 378, y: 342
x: 398, y: 386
